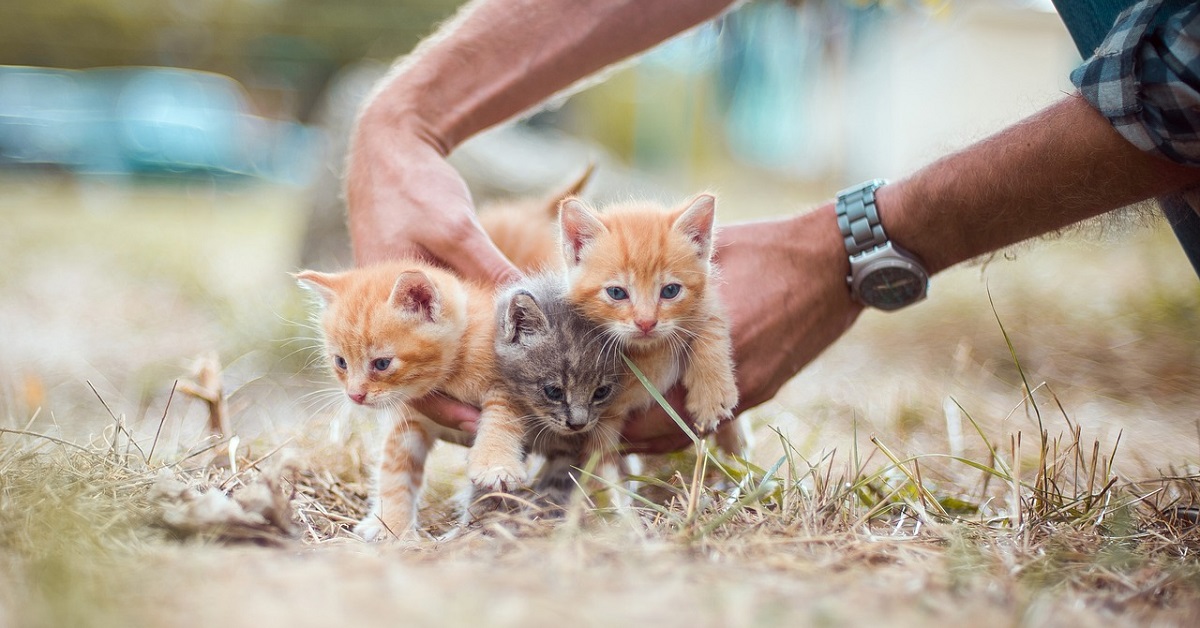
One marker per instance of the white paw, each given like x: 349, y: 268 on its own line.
x: 502, y: 478
x: 371, y: 528
x: 708, y: 422
x: 711, y: 410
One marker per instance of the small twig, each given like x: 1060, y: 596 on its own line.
x: 28, y: 425
x: 118, y: 424
x: 49, y: 438
x: 217, y: 443
x: 697, y: 476
x: 254, y: 465
x: 161, y: 421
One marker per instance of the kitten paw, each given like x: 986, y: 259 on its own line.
x: 711, y: 410
x: 708, y: 422
x: 373, y: 529
x: 502, y: 478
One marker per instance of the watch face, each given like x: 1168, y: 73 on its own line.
x: 892, y: 287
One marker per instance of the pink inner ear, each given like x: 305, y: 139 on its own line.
x: 579, y: 227
x: 415, y: 295
x: 696, y: 222
x: 420, y: 297
x: 577, y: 242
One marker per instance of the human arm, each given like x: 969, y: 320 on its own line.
x: 494, y: 60
x: 784, y: 280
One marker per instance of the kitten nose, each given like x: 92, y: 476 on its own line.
x: 645, y: 325
x: 577, y: 419
x: 358, y: 397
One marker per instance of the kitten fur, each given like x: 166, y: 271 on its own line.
x: 401, y: 330
x: 562, y: 374
x: 643, y: 272
x: 526, y: 230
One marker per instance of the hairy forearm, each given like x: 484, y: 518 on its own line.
x: 1058, y: 167
x: 499, y: 58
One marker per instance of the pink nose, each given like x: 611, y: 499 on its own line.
x: 645, y: 326
x: 358, y: 397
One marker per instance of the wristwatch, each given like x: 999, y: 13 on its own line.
x: 882, y: 275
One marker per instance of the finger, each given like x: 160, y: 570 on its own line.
x: 448, y: 412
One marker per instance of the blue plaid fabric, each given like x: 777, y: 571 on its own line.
x: 1146, y: 80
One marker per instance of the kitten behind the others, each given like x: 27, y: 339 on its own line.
x: 526, y: 229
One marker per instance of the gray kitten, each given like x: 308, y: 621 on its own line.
x: 562, y: 372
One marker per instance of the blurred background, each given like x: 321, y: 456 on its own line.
x: 164, y: 165
x: 807, y: 93
x: 776, y: 99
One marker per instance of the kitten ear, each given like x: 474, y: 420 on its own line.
x: 579, y: 227
x: 524, y: 319
x: 324, y: 285
x: 696, y: 222
x: 574, y: 189
x: 415, y: 296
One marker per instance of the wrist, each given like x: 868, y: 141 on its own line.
x: 819, y: 252
x: 397, y: 113
x: 819, y: 229
x: 883, y: 274
x: 895, y: 203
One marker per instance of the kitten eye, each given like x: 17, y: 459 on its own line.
x: 381, y: 364
x: 339, y: 362
x: 601, y: 393
x: 670, y: 291
x: 553, y: 393
x: 617, y: 293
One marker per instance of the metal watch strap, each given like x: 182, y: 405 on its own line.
x: 858, y: 218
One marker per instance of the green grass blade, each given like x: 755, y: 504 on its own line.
x: 661, y: 400
x: 1012, y: 351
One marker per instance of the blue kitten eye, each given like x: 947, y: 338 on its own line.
x: 601, y: 393
x: 553, y: 393
x: 617, y: 293
x: 670, y: 291
x: 381, y: 364
x: 339, y: 362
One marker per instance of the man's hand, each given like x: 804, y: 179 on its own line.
x: 783, y: 283
x: 448, y: 412
x: 406, y: 200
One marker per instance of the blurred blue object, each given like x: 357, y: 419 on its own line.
x: 146, y: 120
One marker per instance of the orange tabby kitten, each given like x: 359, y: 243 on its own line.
x: 526, y: 231
x: 643, y: 272
x: 401, y: 330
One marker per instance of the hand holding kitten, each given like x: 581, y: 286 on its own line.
x: 406, y: 201
x: 783, y: 285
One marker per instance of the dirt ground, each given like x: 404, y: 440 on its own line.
x: 110, y: 293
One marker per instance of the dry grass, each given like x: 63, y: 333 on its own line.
x: 1043, y: 474
x: 1040, y: 531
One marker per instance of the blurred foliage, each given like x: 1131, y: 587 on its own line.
x: 284, y: 51
x: 287, y: 46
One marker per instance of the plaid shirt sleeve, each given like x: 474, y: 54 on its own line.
x: 1146, y: 80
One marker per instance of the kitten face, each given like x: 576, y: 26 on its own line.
x: 388, y: 336
x: 553, y: 360
x: 641, y: 270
